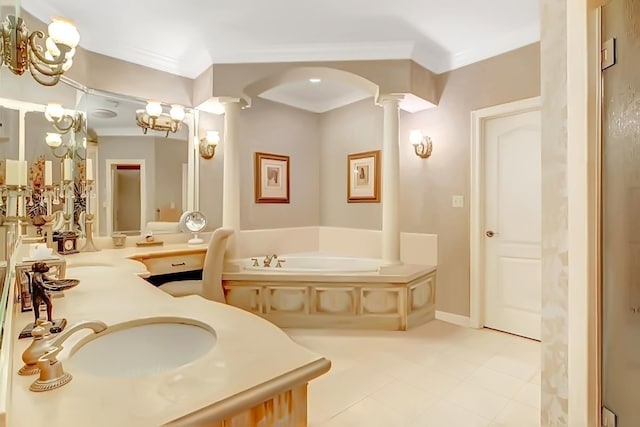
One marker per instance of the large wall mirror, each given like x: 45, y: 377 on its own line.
x: 142, y: 179
x: 143, y: 176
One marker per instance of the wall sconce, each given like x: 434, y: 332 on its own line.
x: 62, y: 121
x: 54, y: 141
x: 20, y: 51
x: 207, y: 145
x: 422, y: 144
x: 153, y: 118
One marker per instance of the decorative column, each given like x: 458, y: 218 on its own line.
x: 391, y: 179
x: 231, y: 172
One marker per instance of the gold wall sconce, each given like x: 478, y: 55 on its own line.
x: 20, y: 51
x: 422, y: 144
x: 64, y: 150
x: 61, y: 120
x: 207, y: 145
x: 153, y: 117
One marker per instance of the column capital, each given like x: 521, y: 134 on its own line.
x: 386, y: 98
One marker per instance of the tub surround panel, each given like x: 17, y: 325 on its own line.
x: 394, y: 301
x: 415, y: 248
x: 277, y: 241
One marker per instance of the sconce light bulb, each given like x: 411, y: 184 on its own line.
x: 154, y: 109
x: 53, y: 112
x: 416, y: 137
x: 53, y: 139
x: 213, y: 137
x: 70, y: 54
x: 62, y: 31
x: 67, y: 64
x: 177, y: 112
x: 52, y: 48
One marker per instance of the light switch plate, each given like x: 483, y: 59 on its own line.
x: 608, y: 418
x: 457, y: 201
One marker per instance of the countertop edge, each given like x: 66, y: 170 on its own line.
x: 254, y: 396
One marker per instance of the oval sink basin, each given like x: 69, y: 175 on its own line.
x: 139, y: 350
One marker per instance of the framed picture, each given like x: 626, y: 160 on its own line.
x: 271, y: 178
x: 363, y: 185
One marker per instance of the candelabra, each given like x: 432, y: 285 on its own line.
x: 89, y: 246
x: 49, y: 193
x: 15, y: 208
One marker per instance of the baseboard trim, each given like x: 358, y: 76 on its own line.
x: 456, y: 319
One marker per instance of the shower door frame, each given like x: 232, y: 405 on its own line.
x: 584, y: 177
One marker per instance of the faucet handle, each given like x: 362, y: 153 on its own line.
x: 255, y: 262
x: 52, y: 374
x: 279, y: 263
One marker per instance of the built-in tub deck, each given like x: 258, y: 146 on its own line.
x: 396, y: 298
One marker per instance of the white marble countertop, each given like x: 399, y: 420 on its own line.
x: 250, y: 354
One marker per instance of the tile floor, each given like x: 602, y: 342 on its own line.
x: 436, y: 375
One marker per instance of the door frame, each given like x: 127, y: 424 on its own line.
x: 110, y: 163
x: 476, y: 204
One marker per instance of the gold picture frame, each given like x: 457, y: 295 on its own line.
x: 363, y: 183
x: 271, y: 172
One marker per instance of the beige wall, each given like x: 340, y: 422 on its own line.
x: 352, y: 129
x: 126, y: 147
x: 170, y: 155
x: 427, y: 185
x: 278, y: 129
x: 210, y: 177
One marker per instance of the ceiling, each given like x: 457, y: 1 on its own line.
x: 184, y: 38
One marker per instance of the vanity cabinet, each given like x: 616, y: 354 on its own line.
x: 176, y: 265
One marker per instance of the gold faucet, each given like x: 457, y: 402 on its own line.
x: 267, y: 260
x: 44, y: 350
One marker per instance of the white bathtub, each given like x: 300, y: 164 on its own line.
x: 315, y: 263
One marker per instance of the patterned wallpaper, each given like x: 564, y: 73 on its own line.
x: 554, y: 214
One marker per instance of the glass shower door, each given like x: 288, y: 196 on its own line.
x: 621, y: 214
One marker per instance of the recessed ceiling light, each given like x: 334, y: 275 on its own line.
x: 103, y: 113
x: 315, y: 80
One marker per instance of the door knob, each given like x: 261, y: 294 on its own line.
x: 490, y: 233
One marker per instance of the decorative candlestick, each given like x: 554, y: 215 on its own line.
x: 48, y: 218
x: 89, y: 246
x: 68, y: 202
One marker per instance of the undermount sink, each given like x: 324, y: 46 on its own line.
x: 138, y: 350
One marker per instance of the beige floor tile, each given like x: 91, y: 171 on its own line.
x: 404, y: 398
x: 434, y: 375
x: 478, y: 400
x: 511, y: 366
x: 446, y: 414
x: 497, y: 382
x: 529, y: 395
x: 368, y: 413
x: 516, y: 414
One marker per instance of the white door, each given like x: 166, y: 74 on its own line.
x: 513, y: 223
